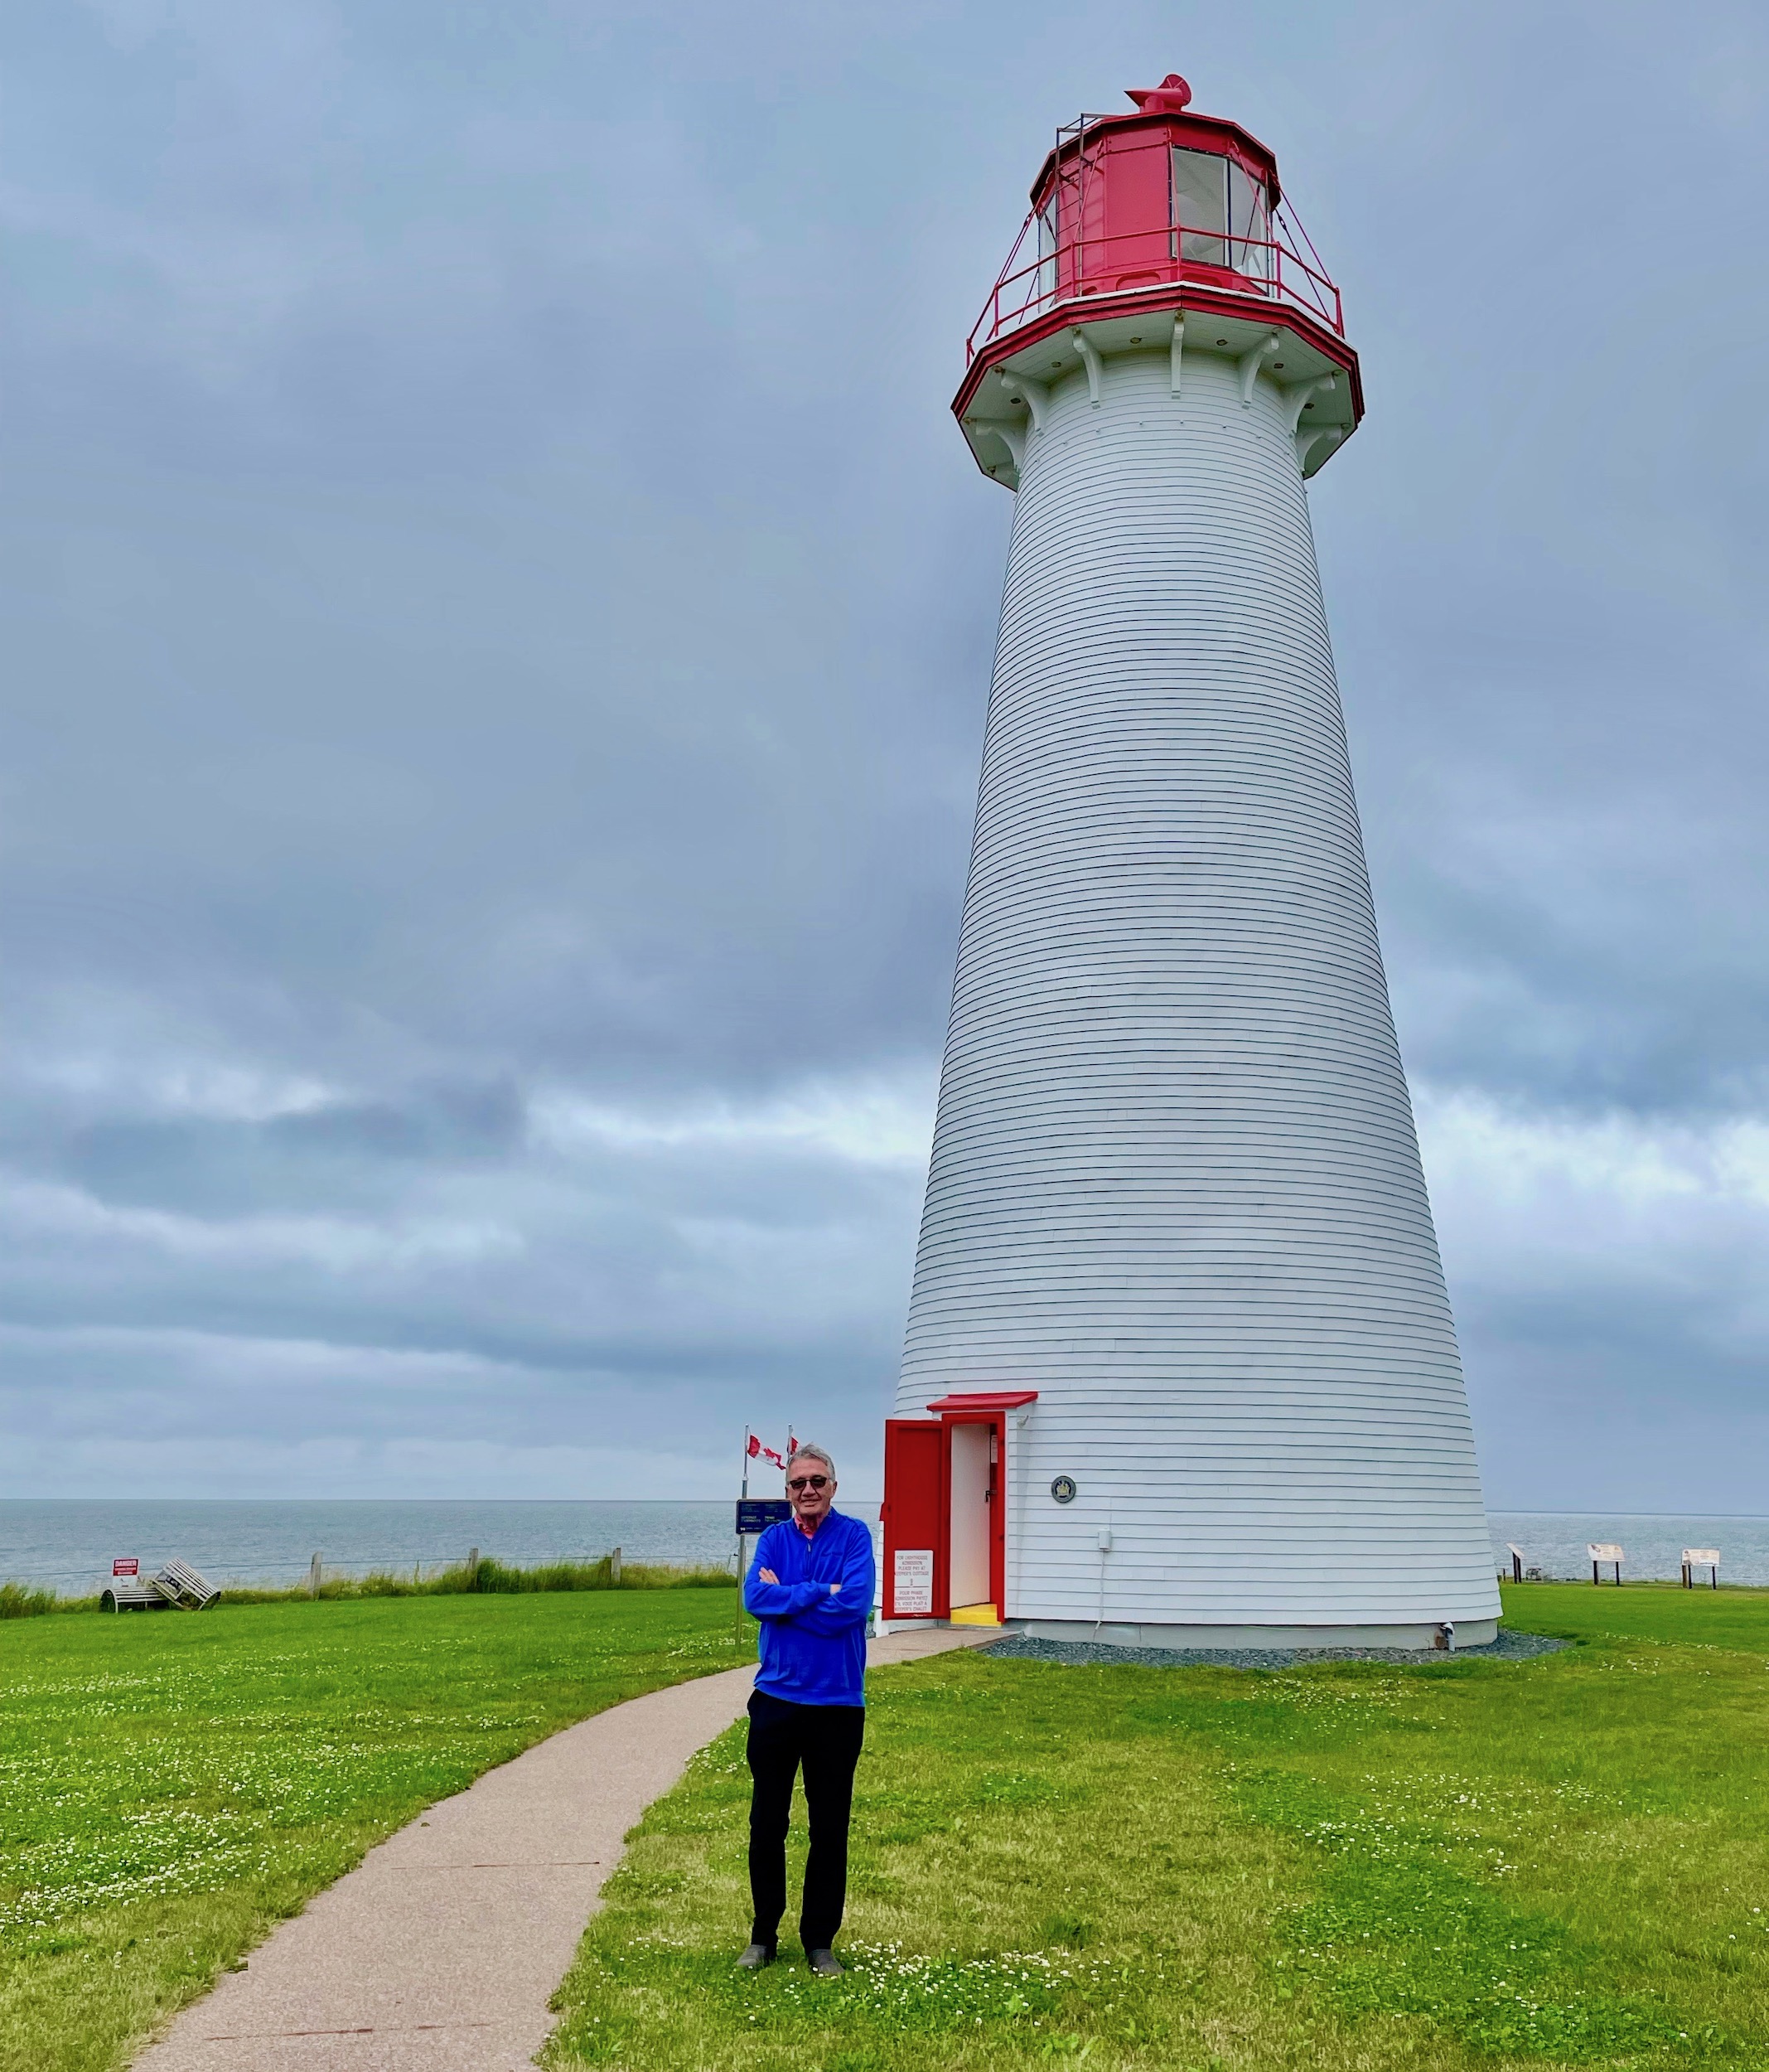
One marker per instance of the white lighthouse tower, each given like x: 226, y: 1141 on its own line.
x: 1180, y: 1367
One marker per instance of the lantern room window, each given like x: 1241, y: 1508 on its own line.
x: 1220, y: 214
x: 1249, y: 223
x: 1044, y: 287
x: 1201, y: 206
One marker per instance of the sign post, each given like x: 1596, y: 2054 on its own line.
x: 1605, y: 1554
x: 755, y: 1514
x: 1696, y: 1557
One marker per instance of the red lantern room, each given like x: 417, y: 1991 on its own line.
x: 1141, y: 223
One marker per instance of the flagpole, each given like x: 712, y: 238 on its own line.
x: 742, y: 1546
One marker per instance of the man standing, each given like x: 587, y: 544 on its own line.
x: 811, y: 1587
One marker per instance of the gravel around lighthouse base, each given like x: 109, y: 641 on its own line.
x: 1356, y: 1866
x: 1509, y: 1646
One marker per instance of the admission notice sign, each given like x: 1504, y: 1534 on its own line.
x: 913, y: 1580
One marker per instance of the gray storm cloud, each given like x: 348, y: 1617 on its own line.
x: 497, y: 620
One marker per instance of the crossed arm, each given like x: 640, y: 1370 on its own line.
x: 824, y: 1608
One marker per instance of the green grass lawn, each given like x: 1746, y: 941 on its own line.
x: 1478, y: 1863
x: 172, y: 1784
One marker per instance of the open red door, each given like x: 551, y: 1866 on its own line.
x: 972, y: 1552
x: 914, y: 1570
x: 973, y: 1543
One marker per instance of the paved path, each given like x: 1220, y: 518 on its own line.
x: 440, y: 1951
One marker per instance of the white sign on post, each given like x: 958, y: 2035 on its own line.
x: 913, y: 1580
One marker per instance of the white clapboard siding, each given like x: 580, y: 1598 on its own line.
x: 1175, y: 1185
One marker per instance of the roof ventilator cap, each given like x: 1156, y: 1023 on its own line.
x: 1170, y: 98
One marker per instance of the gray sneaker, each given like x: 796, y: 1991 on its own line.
x: 824, y: 1962
x: 755, y: 1956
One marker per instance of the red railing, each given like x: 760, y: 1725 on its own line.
x: 1271, y: 268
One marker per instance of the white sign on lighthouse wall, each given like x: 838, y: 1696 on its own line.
x: 1175, y: 1185
x: 913, y: 1580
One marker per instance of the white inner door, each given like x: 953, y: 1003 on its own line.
x: 970, y: 1514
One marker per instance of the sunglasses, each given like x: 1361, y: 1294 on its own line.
x: 809, y: 1482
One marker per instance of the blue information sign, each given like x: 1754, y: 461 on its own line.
x: 755, y: 1514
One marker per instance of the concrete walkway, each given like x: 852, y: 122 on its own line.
x: 440, y: 1951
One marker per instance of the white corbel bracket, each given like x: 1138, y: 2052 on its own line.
x: 1176, y: 370
x: 1012, y: 436
x: 1251, y: 362
x: 1296, y: 400
x: 1020, y: 388
x: 1091, y: 360
x: 1307, y: 442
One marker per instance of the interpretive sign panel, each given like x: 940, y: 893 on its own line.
x: 755, y: 1514
x: 913, y: 1580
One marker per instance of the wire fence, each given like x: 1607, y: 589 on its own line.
x: 289, y: 1572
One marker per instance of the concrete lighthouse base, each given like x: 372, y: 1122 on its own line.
x: 1470, y: 1633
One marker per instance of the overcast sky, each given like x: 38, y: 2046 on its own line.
x: 496, y: 621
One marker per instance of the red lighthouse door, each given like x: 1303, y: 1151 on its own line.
x: 913, y: 1520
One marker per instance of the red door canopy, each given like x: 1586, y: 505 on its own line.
x: 979, y: 1405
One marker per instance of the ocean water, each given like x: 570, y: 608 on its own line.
x: 67, y: 1544
x: 1652, y: 1543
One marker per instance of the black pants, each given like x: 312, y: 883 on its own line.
x: 826, y: 1739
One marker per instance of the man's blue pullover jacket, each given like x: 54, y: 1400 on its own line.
x: 812, y: 1644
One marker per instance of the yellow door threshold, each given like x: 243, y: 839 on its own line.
x: 975, y: 1615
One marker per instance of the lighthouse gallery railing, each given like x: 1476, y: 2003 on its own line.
x: 1080, y: 270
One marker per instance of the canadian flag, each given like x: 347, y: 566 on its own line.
x: 758, y: 1451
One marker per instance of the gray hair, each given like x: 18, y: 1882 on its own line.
x: 802, y: 1452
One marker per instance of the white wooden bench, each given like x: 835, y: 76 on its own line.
x: 129, y: 1593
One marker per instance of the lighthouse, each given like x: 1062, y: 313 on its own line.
x: 1180, y: 1367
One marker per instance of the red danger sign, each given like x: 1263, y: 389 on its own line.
x: 125, y: 1565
